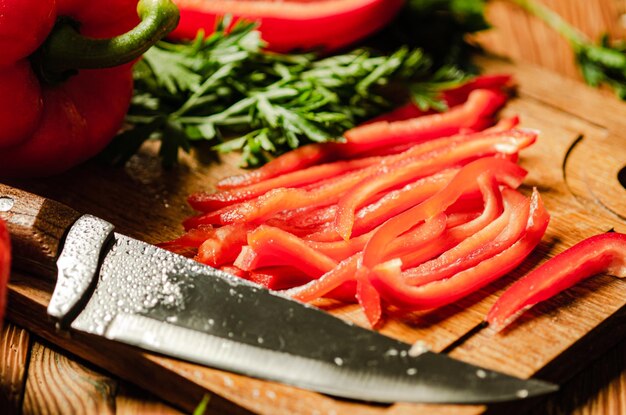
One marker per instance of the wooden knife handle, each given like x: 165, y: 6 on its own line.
x: 37, y: 227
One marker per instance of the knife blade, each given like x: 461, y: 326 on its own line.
x: 128, y: 291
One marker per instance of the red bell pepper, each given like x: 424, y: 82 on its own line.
x: 488, y: 242
x: 481, y: 104
x: 506, y: 172
x: 296, y: 24
x: 5, y: 267
x: 604, y: 253
x: 461, y: 151
x: 53, y: 113
x: 388, y: 280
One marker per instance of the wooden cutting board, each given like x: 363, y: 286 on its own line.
x: 575, y: 166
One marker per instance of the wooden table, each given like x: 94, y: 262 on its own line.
x: 38, y: 378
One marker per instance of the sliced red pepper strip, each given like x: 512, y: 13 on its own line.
x: 223, y: 246
x: 269, y: 246
x: 456, y: 233
x: 325, y: 193
x: 481, y: 104
x: 233, y: 270
x: 278, y: 278
x: 489, y: 241
x: 388, y: 280
x: 294, y: 160
x: 206, y: 202
x: 495, y: 82
x: 303, y: 221
x: 344, y: 272
x: 392, y: 203
x: 466, y: 148
x: 369, y: 298
x: 193, y: 238
x: 604, y: 253
x: 419, y: 235
x: 506, y: 172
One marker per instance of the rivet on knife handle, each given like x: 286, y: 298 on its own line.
x: 37, y: 226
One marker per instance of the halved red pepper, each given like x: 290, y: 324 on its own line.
x: 465, y: 181
x: 459, y: 152
x: 605, y: 253
x: 56, y: 111
x: 292, y: 24
x: 481, y: 104
x: 489, y: 241
x: 388, y: 280
x: 5, y: 267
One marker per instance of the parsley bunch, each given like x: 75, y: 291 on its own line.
x: 225, y: 89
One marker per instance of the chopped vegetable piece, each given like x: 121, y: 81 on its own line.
x: 269, y: 246
x: 207, y: 202
x: 455, y: 234
x: 484, y: 244
x: 481, y: 104
x: 278, y: 278
x: 369, y: 298
x: 388, y: 280
x: 464, y: 181
x: 223, y: 245
x: 344, y: 272
x: 604, y: 253
x: 463, y: 149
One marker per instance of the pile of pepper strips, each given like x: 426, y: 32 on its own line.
x: 414, y: 210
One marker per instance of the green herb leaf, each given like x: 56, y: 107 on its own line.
x: 227, y: 90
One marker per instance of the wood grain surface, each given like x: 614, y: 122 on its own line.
x: 524, y: 38
x: 14, y: 352
x: 581, y: 144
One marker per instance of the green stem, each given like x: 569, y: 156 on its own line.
x: 66, y: 50
x: 554, y: 20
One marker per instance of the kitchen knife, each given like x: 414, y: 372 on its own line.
x: 126, y: 290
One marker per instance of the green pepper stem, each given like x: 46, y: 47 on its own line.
x: 66, y: 50
x: 554, y: 20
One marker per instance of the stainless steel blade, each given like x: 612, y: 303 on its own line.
x: 163, y: 302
